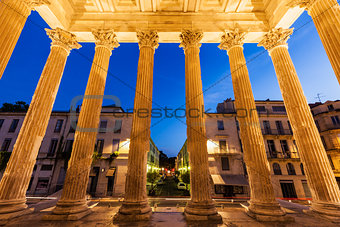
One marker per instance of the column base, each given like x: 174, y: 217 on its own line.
x: 68, y: 211
x: 267, y: 212
x: 202, y: 211
x: 328, y: 211
x: 13, y: 208
x: 133, y: 211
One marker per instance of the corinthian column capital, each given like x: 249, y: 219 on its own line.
x: 105, y: 38
x: 306, y: 4
x: 148, y: 39
x: 276, y: 37
x: 34, y: 3
x: 191, y: 38
x: 63, y: 39
x: 231, y: 39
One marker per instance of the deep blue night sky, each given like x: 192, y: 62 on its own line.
x: 27, y: 62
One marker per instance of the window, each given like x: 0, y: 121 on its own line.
x: 290, y: 127
x: 73, y: 126
x: 220, y: 125
x: 279, y: 109
x: 277, y: 169
x: 335, y: 120
x: 58, y: 125
x: 99, y: 146
x: 223, y: 145
x: 6, y: 144
x: 267, y: 129
x: 285, y: 148
x: 115, y: 146
x: 272, y: 149
x: 302, y: 169
x: 290, y: 169
x: 102, y: 127
x: 306, y: 189
x: 1, y: 122
x: 331, y: 161
x: 317, y: 125
x: 13, y: 125
x: 279, y: 127
x: 330, y: 107
x: 53, y: 147
x: 225, y: 163
x: 118, y: 126
x: 324, y: 142
x: 261, y: 109
x: 46, y: 167
x: 68, y: 146
x: 42, y: 183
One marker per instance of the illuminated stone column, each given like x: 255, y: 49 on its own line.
x: 19, y: 169
x: 201, y: 206
x: 13, y: 16
x: 263, y: 205
x: 321, y: 179
x: 72, y: 204
x: 135, y: 206
x: 326, y: 17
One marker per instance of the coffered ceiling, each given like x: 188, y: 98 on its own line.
x: 169, y: 17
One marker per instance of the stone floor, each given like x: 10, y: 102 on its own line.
x: 232, y: 216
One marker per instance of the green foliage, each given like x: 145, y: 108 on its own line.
x: 96, y: 156
x: 19, y: 106
x: 152, y: 177
x: 4, y: 158
x: 186, y: 178
x: 177, y: 173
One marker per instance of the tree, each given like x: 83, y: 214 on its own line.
x: 186, y: 178
x: 19, y: 106
x: 152, y: 178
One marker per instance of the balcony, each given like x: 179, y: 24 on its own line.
x: 276, y: 132
x: 288, y: 155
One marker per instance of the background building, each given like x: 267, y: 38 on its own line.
x: 226, y: 164
x: 109, y: 167
x: 327, y: 119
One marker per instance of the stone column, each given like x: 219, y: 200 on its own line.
x: 263, y: 205
x: 135, y: 206
x: 13, y: 16
x: 201, y: 206
x: 19, y: 169
x: 326, y: 17
x: 72, y: 204
x: 321, y: 180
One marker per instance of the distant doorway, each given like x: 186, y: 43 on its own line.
x: 288, y: 189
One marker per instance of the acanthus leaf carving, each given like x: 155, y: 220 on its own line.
x: 191, y: 38
x: 276, y: 37
x: 232, y: 38
x: 63, y: 39
x: 148, y: 39
x: 106, y: 38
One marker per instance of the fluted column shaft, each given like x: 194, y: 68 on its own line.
x: 19, y: 169
x: 196, y: 132
x: 135, y: 190
x: 326, y: 17
x: 135, y: 206
x: 13, y: 16
x: 73, y: 199
x: 250, y: 130
x: 321, y: 179
x: 201, y: 203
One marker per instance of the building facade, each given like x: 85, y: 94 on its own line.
x: 327, y: 120
x: 109, y: 166
x: 226, y: 164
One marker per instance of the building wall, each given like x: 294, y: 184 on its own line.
x: 327, y: 119
x: 49, y: 172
